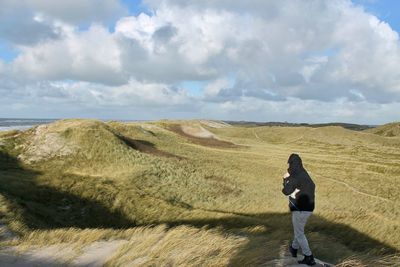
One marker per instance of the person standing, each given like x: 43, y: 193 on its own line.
x: 298, y: 185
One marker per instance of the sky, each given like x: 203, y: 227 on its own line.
x: 309, y: 61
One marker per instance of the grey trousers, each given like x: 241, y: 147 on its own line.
x: 299, y: 220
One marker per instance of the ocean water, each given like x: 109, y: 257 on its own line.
x: 21, y: 124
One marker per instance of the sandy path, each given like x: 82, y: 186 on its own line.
x: 93, y: 255
x: 286, y: 260
x: 55, y: 255
x: 97, y: 254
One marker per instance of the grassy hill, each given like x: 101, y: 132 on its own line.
x: 209, y: 191
x: 389, y: 130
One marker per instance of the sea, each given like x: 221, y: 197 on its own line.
x: 21, y: 124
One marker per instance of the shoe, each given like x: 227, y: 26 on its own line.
x: 309, y: 260
x: 293, y: 251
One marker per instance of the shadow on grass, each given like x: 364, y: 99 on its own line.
x: 41, y: 206
x: 277, y: 227
x: 146, y: 147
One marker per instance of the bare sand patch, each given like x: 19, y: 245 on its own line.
x: 215, y: 124
x: 45, y: 143
x: 197, y: 131
x: 200, y: 136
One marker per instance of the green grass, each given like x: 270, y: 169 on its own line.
x: 80, y: 180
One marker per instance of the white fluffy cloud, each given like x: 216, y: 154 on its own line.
x: 305, y: 54
x: 92, y: 55
x: 27, y: 22
x: 71, y: 11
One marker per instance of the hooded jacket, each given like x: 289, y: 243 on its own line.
x: 299, y: 186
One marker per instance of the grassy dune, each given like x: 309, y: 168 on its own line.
x: 389, y: 130
x: 199, y: 193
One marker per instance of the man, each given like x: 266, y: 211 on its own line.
x: 300, y: 188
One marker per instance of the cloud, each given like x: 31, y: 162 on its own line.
x: 84, y: 99
x: 305, y: 49
x: 92, y: 55
x: 28, y: 22
x: 287, y: 58
x: 72, y: 11
x: 312, y: 111
x: 215, y: 87
x: 133, y: 93
x: 2, y: 66
x: 25, y: 31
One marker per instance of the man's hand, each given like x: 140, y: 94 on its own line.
x: 286, y: 175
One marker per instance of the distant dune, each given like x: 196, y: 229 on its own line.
x: 350, y: 126
x: 389, y: 130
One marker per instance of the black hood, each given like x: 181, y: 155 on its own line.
x: 295, y: 164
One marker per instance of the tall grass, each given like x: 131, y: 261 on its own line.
x: 120, y: 176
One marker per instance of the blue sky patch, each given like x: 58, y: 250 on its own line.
x: 194, y: 88
x: 7, y: 53
x: 136, y: 7
x: 386, y: 10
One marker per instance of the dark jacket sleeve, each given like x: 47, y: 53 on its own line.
x: 289, y: 185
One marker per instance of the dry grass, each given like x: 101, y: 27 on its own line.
x: 364, y: 261
x: 389, y: 130
x: 180, y: 246
x: 124, y: 175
